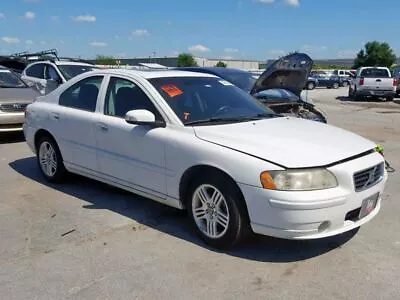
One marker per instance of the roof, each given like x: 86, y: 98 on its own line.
x: 215, y: 70
x: 154, y: 74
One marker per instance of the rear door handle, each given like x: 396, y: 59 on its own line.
x: 103, y: 126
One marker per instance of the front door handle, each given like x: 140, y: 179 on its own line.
x: 103, y: 126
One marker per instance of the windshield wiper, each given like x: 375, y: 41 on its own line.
x: 235, y: 119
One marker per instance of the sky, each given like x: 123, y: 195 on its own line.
x: 238, y: 29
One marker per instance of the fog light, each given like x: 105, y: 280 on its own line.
x: 324, y: 226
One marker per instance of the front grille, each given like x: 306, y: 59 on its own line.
x: 369, y: 177
x: 13, y: 107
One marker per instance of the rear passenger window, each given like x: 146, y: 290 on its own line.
x: 36, y: 71
x: 83, y: 94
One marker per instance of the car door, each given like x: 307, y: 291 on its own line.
x: 133, y: 155
x: 73, y: 123
x: 34, y: 76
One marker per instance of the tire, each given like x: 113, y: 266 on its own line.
x: 389, y: 99
x: 345, y: 84
x: 310, y: 85
x: 50, y: 160
x: 335, y: 85
x: 217, y: 210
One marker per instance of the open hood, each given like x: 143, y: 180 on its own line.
x: 289, y: 72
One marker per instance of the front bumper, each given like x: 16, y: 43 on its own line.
x: 376, y: 93
x: 10, y: 122
x: 313, y: 214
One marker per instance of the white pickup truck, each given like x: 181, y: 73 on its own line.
x: 373, y: 82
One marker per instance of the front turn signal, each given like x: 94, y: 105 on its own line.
x: 267, y: 181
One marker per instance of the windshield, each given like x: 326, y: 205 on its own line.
x: 70, y: 71
x: 195, y: 99
x: 274, y: 95
x: 243, y: 80
x: 10, y: 80
x: 375, y: 72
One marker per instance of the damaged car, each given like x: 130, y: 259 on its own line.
x: 279, y: 87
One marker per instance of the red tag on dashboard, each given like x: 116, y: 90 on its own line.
x: 172, y: 90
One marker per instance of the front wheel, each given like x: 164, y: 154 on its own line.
x: 335, y: 85
x: 310, y: 86
x: 217, y: 210
x: 389, y: 99
x: 50, y: 160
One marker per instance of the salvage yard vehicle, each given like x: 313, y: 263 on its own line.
x: 375, y: 82
x: 279, y: 87
x: 15, y: 95
x: 320, y: 80
x: 197, y: 142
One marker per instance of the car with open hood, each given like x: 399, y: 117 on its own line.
x: 279, y: 87
x: 197, y: 142
x: 15, y: 95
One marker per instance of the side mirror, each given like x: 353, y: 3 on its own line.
x: 142, y: 117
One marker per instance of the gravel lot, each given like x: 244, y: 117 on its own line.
x: 85, y: 240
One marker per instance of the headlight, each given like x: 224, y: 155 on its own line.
x: 298, y: 180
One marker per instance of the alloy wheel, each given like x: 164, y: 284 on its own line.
x: 210, y: 211
x: 48, y: 159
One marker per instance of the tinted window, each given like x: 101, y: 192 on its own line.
x: 36, y: 71
x: 123, y: 95
x: 83, y: 94
x: 51, y: 73
x: 374, y: 72
x: 201, y: 98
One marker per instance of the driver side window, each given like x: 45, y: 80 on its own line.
x: 123, y: 95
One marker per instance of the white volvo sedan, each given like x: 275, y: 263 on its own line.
x: 194, y: 141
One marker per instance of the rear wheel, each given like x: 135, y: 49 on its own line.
x: 335, y: 85
x: 50, y: 160
x: 345, y: 84
x: 217, y: 210
x: 389, y: 98
x: 310, y: 86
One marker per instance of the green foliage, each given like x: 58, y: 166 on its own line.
x: 105, y: 60
x: 186, y: 60
x: 375, y: 54
x: 221, y: 64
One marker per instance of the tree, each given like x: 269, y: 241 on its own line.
x: 221, y: 64
x: 105, y: 60
x: 375, y: 54
x: 186, y: 60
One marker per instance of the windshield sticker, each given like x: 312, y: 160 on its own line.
x: 224, y: 82
x: 172, y: 90
x: 186, y: 116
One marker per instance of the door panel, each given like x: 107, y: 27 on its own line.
x: 74, y: 120
x: 130, y: 153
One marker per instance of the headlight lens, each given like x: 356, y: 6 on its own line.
x: 298, y: 180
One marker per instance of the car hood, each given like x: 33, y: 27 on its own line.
x: 20, y: 95
x: 288, y: 142
x: 289, y: 72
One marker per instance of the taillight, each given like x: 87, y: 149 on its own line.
x: 361, y: 81
x: 395, y: 82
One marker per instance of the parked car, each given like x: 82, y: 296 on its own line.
x: 320, y: 80
x: 373, y: 82
x: 344, y: 76
x: 281, y: 85
x: 396, y: 75
x: 197, y: 142
x: 47, y: 75
x: 15, y: 95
